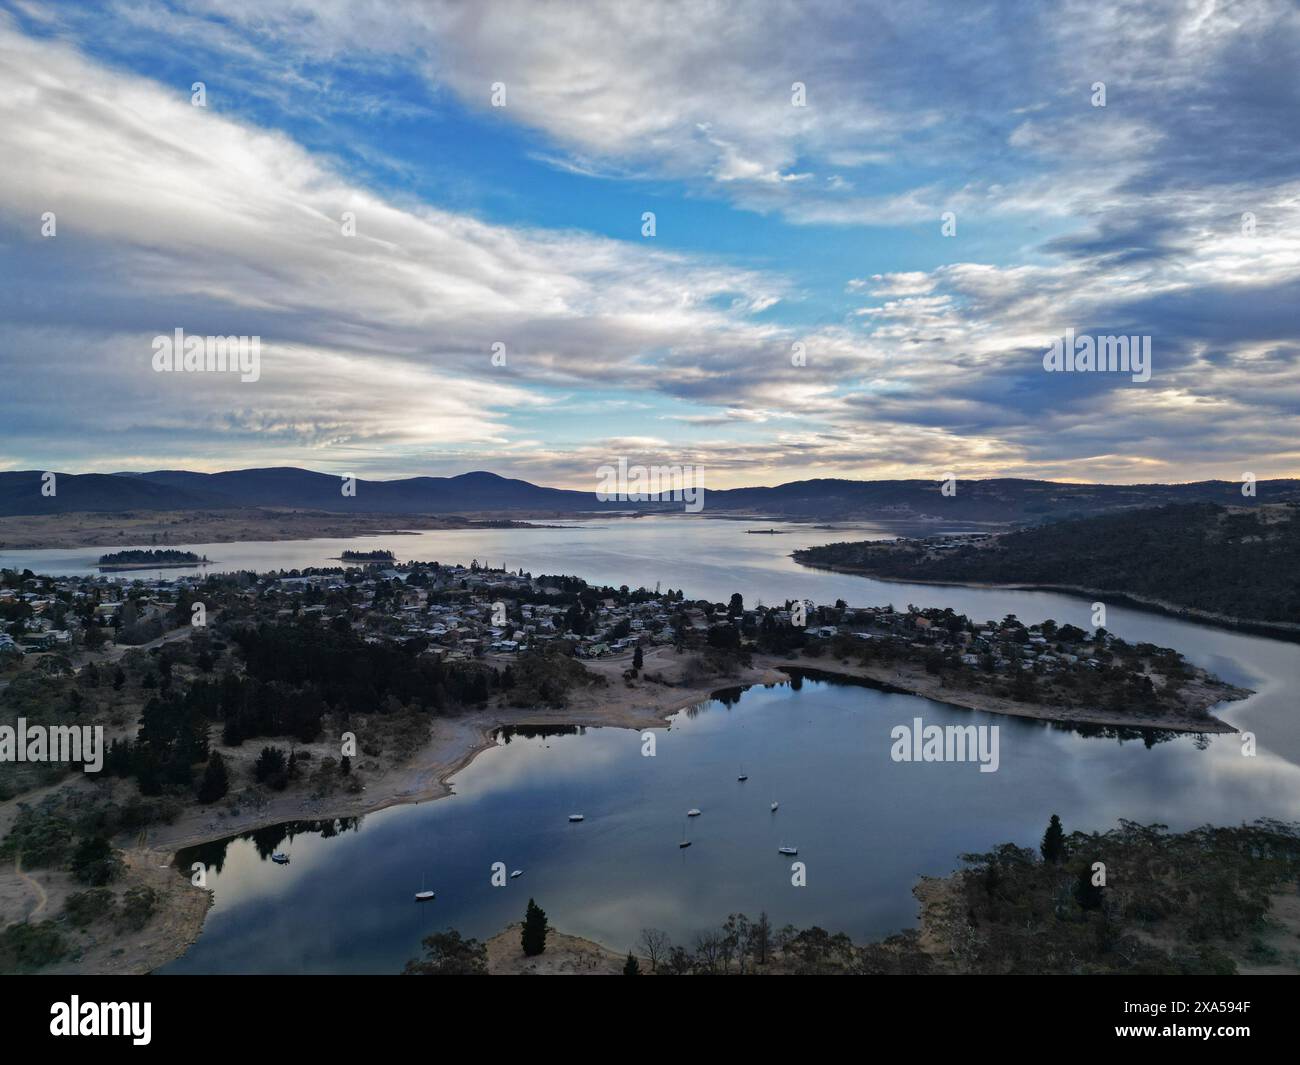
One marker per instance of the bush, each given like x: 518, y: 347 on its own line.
x: 138, y: 905
x: 86, y: 907
x: 25, y: 947
x: 449, y: 954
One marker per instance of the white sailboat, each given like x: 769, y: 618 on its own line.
x: 575, y: 817
x: 685, y: 842
x: 783, y: 849
x: 743, y: 775
x: 693, y: 812
x: 775, y: 804
x: 280, y: 858
x: 516, y: 874
x: 424, y: 895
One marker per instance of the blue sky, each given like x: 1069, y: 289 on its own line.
x: 776, y: 225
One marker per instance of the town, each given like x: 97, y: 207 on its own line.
x: 468, y: 613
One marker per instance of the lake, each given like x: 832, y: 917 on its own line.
x: 866, y: 826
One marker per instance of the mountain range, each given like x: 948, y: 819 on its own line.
x: 998, y: 500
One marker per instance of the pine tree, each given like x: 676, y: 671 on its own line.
x: 533, y: 938
x: 1089, y: 895
x: 1053, y: 845
x: 215, y: 781
x: 638, y: 658
x: 631, y: 968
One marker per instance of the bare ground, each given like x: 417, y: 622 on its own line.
x: 564, y: 956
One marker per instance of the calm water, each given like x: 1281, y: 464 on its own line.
x: 865, y: 826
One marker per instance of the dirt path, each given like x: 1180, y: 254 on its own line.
x: 41, y: 897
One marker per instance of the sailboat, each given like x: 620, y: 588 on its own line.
x: 775, y: 804
x: 743, y: 775
x: 685, y: 842
x: 693, y: 812
x: 516, y: 874
x: 783, y: 849
x: 280, y: 858
x: 575, y: 817
x: 423, y: 895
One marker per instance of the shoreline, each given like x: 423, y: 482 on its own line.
x: 1282, y: 630
x: 908, y: 681
x: 455, y: 742
x: 78, y: 530
x: 114, y: 568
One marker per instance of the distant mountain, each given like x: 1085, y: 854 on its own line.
x: 1005, y: 500
x: 20, y: 493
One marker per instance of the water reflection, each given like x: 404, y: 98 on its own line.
x: 866, y: 827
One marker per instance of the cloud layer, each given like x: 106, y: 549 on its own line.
x: 1170, y: 212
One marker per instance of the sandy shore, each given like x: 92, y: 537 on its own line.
x: 564, y: 956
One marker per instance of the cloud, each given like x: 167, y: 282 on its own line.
x: 1129, y: 218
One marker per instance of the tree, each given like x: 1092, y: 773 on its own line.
x: 449, y: 954
x: 638, y: 658
x: 270, y: 768
x: 737, y: 605
x: 94, y: 861
x: 761, y: 939
x: 533, y: 938
x: 1053, y: 845
x: 215, y: 781
x: 631, y: 968
x: 1088, y: 895
x: 654, y: 945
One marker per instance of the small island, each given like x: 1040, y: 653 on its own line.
x: 366, y: 556
x: 161, y: 558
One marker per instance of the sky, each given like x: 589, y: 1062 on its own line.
x: 869, y: 223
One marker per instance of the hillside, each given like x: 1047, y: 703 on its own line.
x: 285, y: 487
x: 1237, y: 562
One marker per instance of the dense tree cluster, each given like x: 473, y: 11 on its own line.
x: 1242, y: 563
x: 1113, y: 902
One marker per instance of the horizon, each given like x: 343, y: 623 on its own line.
x: 780, y: 484
x: 842, y: 243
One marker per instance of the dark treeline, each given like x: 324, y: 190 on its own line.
x: 1235, y: 562
x: 296, y: 674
